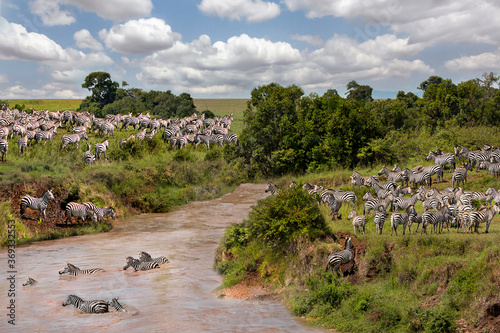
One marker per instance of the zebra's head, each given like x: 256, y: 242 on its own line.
x: 111, y: 212
x: 130, y: 262
x: 72, y: 299
x: 68, y: 269
x: 114, y: 303
x: 348, y: 244
x: 144, y: 256
x: 48, y: 195
x: 30, y: 282
x: 352, y: 214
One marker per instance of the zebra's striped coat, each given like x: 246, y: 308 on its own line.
x: 346, y: 256
x: 97, y: 306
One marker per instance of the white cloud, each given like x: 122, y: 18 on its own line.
x: 251, y: 10
x: 243, y: 62
x: 310, y: 39
x: 51, y: 12
x: 482, y: 62
x: 84, y: 40
x: 4, y: 79
x: 141, y: 36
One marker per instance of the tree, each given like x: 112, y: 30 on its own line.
x: 431, y: 80
x: 357, y: 92
x: 102, y: 87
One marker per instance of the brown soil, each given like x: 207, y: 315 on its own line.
x: 251, y: 287
x: 54, y: 214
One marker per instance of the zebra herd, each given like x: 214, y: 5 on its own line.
x: 43, y: 126
x: 73, y: 209
x: 145, y: 262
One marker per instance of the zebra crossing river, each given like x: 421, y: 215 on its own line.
x: 178, y: 297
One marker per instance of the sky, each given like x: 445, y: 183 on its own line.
x: 225, y: 48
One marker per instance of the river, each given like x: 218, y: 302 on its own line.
x: 178, y: 297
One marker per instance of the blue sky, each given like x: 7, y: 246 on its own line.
x: 225, y: 48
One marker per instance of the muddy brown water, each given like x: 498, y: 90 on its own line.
x: 179, y: 297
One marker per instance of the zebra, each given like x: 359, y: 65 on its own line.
x: 98, y: 306
x: 4, y: 147
x: 377, y: 204
x: 358, y: 179
x: 271, y: 187
x: 66, y: 139
x: 207, y: 140
x: 71, y: 269
x: 398, y: 176
x: 460, y: 174
x: 99, y: 212
x: 476, y: 217
x: 443, y: 159
x: 401, y: 218
x: 404, y: 203
x: 39, y: 204
x: 382, y: 192
x: 494, y: 193
x: 335, y: 260
x: 145, y: 257
x: 477, y: 155
x: 437, y: 219
x: 100, y: 148
x: 45, y: 135
x: 358, y: 221
x: 493, y: 168
x: 344, y: 196
x: 30, y: 282
x: 379, y: 220
x: 140, y: 266
x: 231, y: 138
x: 419, y: 178
x: 335, y: 206
x: 115, y: 304
x: 79, y: 210
x: 88, y: 157
x: 105, y: 128
x: 22, y: 144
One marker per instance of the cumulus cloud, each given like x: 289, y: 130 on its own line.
x: 243, y: 62
x: 482, y: 62
x: 251, y: 10
x: 141, y: 36
x: 84, y: 40
x: 51, y: 12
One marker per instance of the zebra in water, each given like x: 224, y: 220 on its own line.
x: 116, y: 305
x: 145, y: 257
x: 443, y: 159
x: 4, y: 147
x: 30, y: 282
x: 100, y: 149
x: 460, y: 174
x: 99, y: 212
x: 379, y: 220
x: 71, y: 269
x: 140, y: 266
x: 88, y: 157
x: 98, y: 306
x: 67, y: 139
x: 271, y: 187
x: 358, y: 221
x: 335, y: 260
x: 22, y: 144
x: 39, y: 204
x: 476, y: 217
x: 79, y: 210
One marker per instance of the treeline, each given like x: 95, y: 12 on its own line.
x: 287, y: 132
x: 108, y: 98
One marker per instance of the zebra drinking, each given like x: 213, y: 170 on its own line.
x: 39, y: 204
x: 98, y: 306
x: 140, y: 266
x: 335, y: 260
x: 71, y: 269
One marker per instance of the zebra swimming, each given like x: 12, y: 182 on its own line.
x: 140, y: 266
x: 145, y: 257
x: 97, y: 306
x: 73, y: 270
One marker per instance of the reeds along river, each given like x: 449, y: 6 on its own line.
x: 178, y: 297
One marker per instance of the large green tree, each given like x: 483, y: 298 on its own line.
x: 102, y: 87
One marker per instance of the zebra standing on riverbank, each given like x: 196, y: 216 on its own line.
x: 140, y: 266
x: 39, y: 204
x: 335, y: 260
x: 100, y: 213
x: 71, y: 269
x: 79, y: 210
x: 271, y: 187
x: 145, y: 257
x: 98, y: 306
